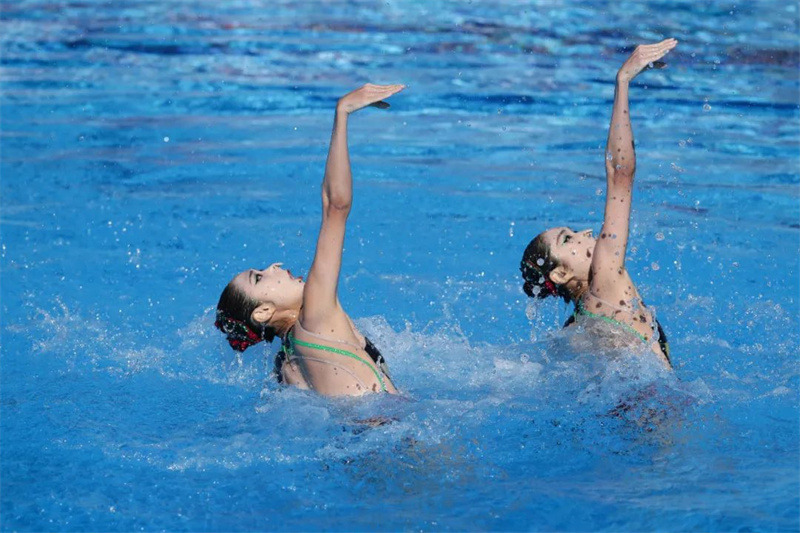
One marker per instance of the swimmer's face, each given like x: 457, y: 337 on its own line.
x: 573, y: 249
x: 273, y: 285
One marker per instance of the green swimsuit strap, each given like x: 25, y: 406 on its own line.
x: 580, y: 310
x: 293, y: 340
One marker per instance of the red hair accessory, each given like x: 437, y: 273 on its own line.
x: 240, y: 335
x: 550, y: 286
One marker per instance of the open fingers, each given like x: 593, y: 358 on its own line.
x: 646, y: 56
x: 369, y: 95
x: 379, y: 92
x: 666, y: 43
x: 649, y: 54
x: 656, y: 51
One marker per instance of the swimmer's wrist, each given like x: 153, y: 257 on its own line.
x: 341, y: 109
x: 622, y: 78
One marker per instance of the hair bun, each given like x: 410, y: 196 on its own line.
x: 240, y: 335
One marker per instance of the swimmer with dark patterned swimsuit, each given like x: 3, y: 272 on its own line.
x: 591, y: 272
x: 322, y: 350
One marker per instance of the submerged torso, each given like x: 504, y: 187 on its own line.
x: 628, y: 314
x: 333, y: 367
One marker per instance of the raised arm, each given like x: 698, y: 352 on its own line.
x: 320, y: 294
x: 609, y: 254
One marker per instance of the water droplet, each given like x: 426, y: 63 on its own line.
x: 654, y: 265
x: 166, y: 139
x: 659, y: 236
x: 524, y: 358
x: 609, y: 156
x: 706, y: 107
x: 540, y: 262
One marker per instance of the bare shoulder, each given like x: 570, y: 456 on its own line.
x: 334, y: 324
x: 614, y: 286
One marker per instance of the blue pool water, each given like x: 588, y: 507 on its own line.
x: 151, y: 150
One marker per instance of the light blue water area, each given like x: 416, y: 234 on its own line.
x: 151, y: 150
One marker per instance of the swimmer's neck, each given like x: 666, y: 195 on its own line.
x: 285, y: 325
x: 285, y: 329
x: 577, y: 289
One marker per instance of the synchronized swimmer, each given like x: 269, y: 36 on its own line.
x: 591, y: 272
x: 322, y: 350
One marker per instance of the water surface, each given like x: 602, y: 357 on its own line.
x: 151, y: 150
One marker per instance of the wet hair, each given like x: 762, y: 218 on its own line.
x: 536, y: 265
x: 234, y: 310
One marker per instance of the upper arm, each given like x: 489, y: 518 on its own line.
x: 320, y: 293
x: 608, y: 259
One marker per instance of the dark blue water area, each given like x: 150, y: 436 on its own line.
x: 151, y: 150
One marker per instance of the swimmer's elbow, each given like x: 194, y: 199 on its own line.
x: 340, y: 204
x: 621, y: 175
x: 337, y: 204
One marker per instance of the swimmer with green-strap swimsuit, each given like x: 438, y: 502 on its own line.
x: 322, y: 349
x: 591, y: 271
x: 374, y: 362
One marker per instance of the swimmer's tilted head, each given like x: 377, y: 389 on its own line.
x: 258, y: 305
x: 553, y: 259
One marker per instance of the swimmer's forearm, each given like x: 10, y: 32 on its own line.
x: 620, y: 156
x: 620, y: 151
x: 337, y: 187
x: 609, y: 253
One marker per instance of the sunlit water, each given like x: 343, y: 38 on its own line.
x: 151, y: 150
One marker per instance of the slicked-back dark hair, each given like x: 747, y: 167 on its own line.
x: 235, y: 307
x: 536, y: 265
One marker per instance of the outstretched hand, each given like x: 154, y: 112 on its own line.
x: 645, y: 56
x: 368, y: 95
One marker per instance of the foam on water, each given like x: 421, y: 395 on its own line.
x: 448, y: 384
x: 470, y: 411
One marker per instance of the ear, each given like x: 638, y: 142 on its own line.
x: 560, y: 275
x: 262, y: 314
